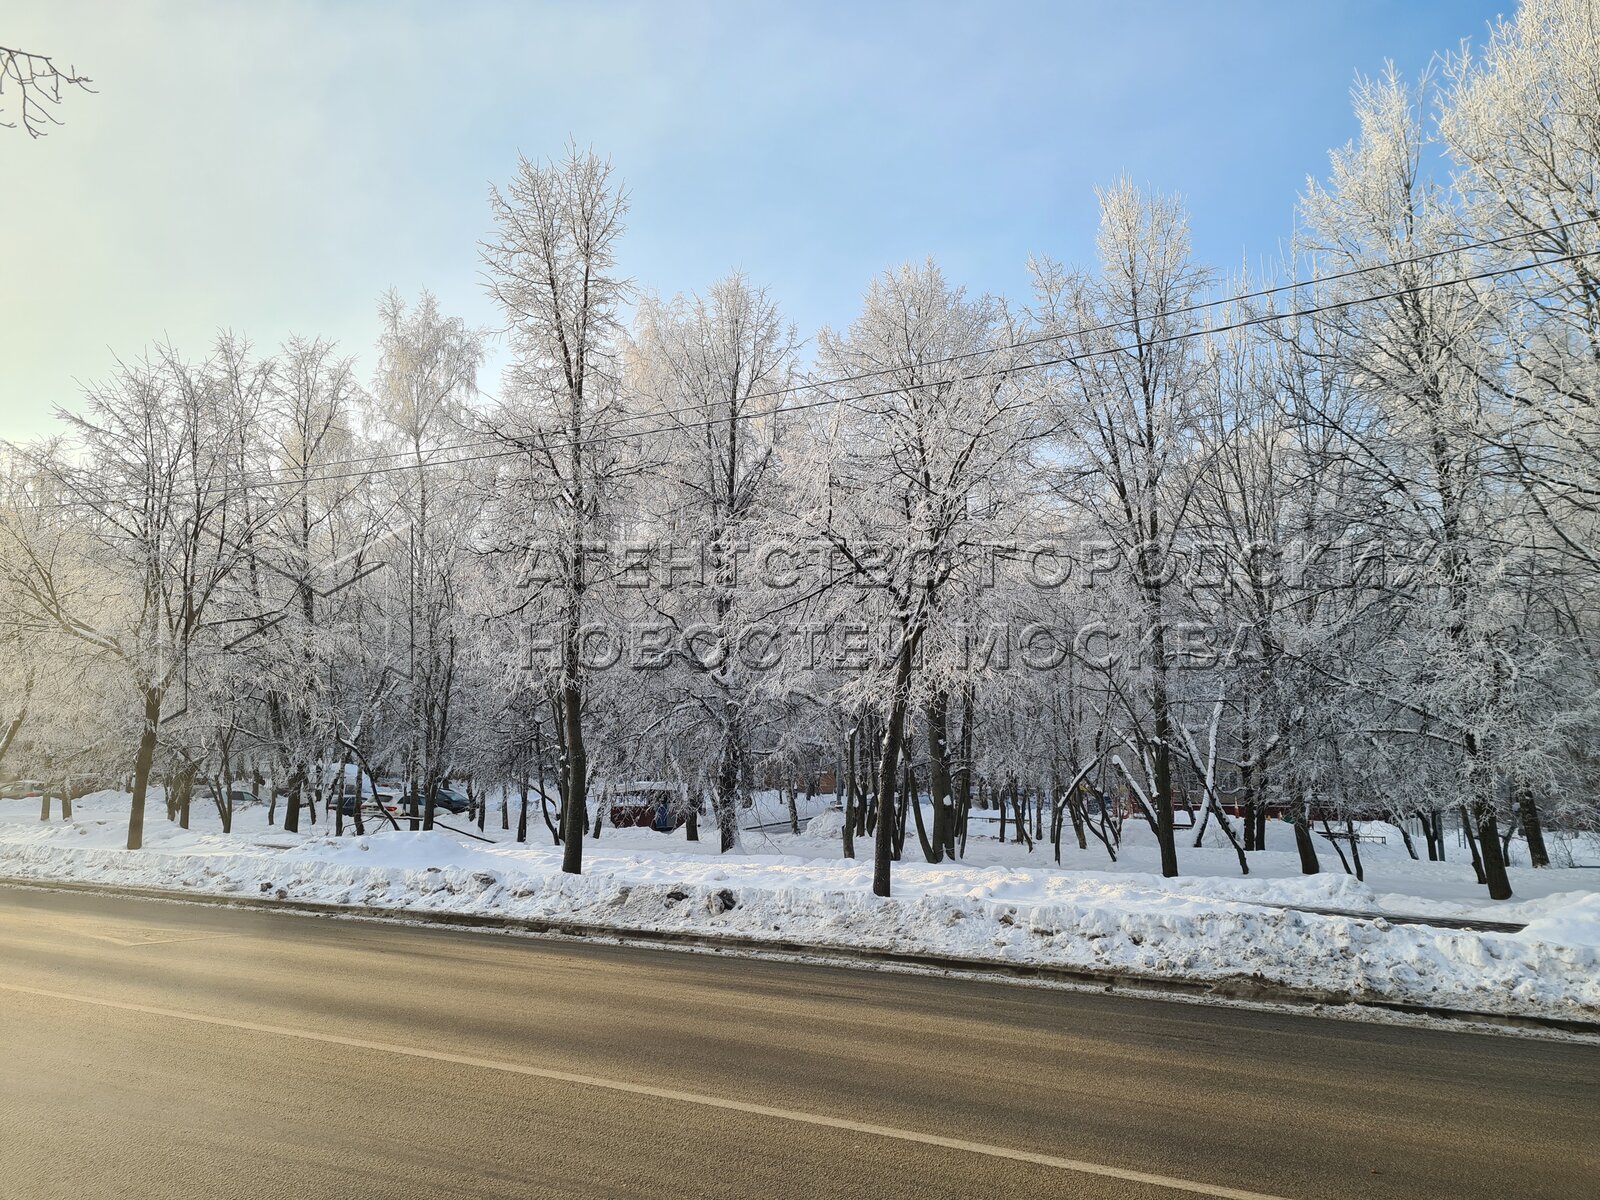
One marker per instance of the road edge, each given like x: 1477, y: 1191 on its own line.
x: 1230, y: 990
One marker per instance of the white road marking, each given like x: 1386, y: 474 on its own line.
x: 1169, y: 1182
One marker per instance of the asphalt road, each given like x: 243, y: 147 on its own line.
x: 165, y: 1050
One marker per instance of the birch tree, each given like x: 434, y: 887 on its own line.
x: 1127, y: 407
x: 552, y: 271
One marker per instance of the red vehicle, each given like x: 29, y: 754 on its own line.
x: 659, y: 806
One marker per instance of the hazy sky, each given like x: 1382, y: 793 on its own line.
x: 273, y: 167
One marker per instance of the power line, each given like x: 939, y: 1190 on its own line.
x: 1046, y: 337
x: 530, y: 444
x: 1033, y: 340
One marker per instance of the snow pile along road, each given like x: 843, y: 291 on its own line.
x: 1200, y: 929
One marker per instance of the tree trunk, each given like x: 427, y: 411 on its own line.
x: 554, y: 826
x: 1532, y: 829
x: 1472, y: 843
x: 962, y: 778
x: 908, y: 796
x: 576, y: 791
x: 291, y: 814
x: 725, y: 798
x: 1494, y: 862
x: 893, y: 735
x: 1019, y: 802
x: 141, y: 766
x: 943, y: 841
x: 1405, y: 837
x: 1337, y: 849
x: 849, y: 833
x: 430, y: 797
x: 1162, y: 717
x: 1302, y: 839
x: 930, y: 852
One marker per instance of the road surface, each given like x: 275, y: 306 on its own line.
x: 169, y: 1050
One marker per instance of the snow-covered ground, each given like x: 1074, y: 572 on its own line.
x: 999, y: 904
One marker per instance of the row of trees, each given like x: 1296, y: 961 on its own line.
x: 1324, y: 549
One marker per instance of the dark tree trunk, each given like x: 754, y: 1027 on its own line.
x: 867, y: 780
x: 576, y: 792
x: 430, y: 799
x: 1165, y: 834
x: 1494, y: 862
x: 1302, y: 840
x: 943, y: 840
x: 893, y: 735
x: 725, y: 798
x: 141, y: 766
x: 291, y: 814
x: 552, y: 824
x: 850, y: 796
x: 908, y: 796
x: 1019, y: 801
x: 929, y: 851
x: 962, y: 777
x: 1333, y: 841
x: 1472, y: 843
x: 1532, y: 829
x: 1405, y: 837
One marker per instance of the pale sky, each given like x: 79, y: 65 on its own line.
x: 272, y: 168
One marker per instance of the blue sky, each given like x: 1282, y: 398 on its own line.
x: 273, y: 168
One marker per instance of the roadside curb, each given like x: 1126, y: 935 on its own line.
x: 1464, y: 924
x: 1241, y: 988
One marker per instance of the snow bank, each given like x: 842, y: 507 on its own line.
x: 1206, y: 929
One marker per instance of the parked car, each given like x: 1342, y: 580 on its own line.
x: 391, y: 798
x: 21, y: 789
x: 451, y: 801
x: 371, y: 799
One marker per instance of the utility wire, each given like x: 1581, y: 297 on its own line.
x: 533, y: 443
